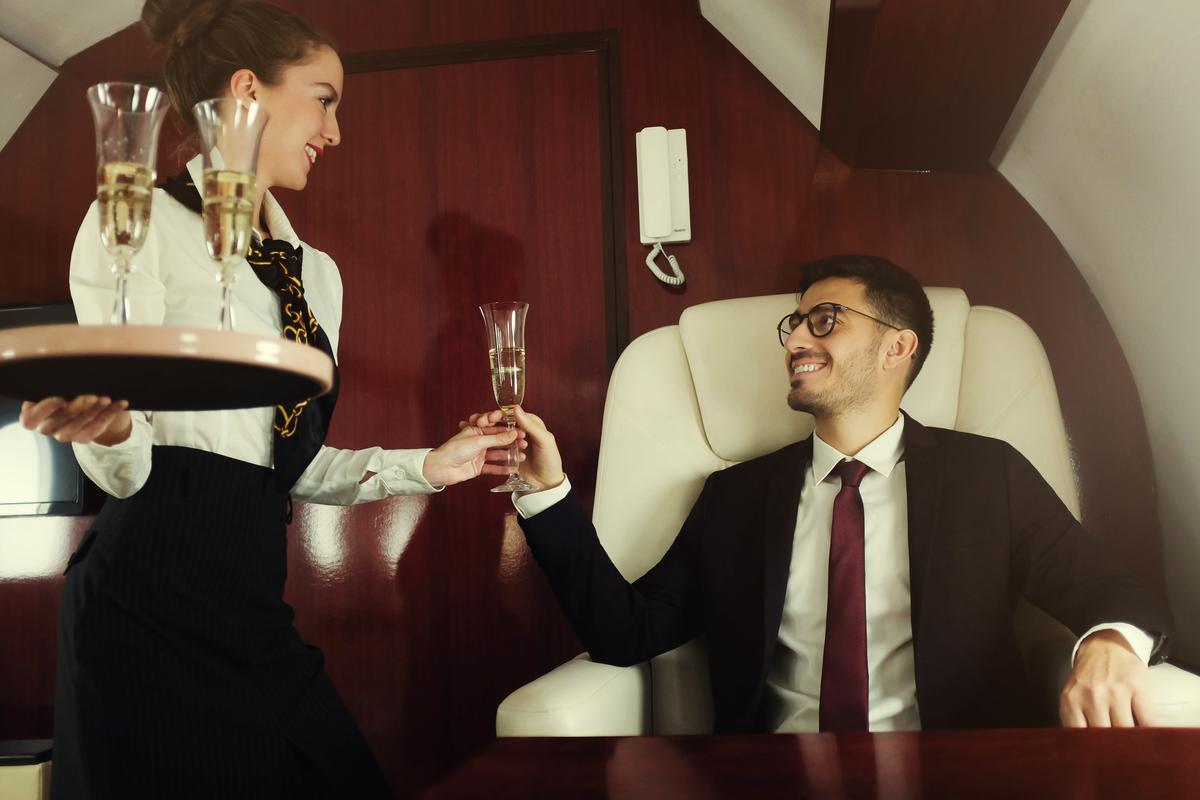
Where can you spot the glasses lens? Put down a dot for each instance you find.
(822, 318)
(786, 326)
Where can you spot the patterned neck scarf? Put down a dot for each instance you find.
(300, 428)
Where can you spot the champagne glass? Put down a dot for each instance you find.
(505, 324)
(230, 131)
(128, 117)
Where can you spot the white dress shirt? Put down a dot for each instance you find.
(794, 676)
(174, 284)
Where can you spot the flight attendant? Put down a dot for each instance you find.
(180, 673)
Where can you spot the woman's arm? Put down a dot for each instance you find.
(348, 477)
(118, 458)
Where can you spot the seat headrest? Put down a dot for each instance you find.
(741, 380)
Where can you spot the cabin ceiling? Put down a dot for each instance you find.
(38, 36)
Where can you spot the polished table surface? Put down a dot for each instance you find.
(1043, 763)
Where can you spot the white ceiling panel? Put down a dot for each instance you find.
(55, 30)
(785, 39)
(24, 81)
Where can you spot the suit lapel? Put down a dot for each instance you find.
(782, 502)
(924, 475)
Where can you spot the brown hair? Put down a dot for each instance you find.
(209, 40)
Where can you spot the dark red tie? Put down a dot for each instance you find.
(844, 669)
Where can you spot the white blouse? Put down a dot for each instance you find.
(174, 283)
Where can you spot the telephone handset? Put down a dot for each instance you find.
(664, 210)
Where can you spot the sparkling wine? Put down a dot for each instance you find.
(228, 207)
(124, 192)
(508, 376)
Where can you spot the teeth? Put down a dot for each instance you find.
(806, 368)
(312, 153)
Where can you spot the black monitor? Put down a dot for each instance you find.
(37, 474)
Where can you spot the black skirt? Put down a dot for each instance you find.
(180, 673)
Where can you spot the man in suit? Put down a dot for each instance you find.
(863, 578)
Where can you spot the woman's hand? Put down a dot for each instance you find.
(541, 463)
(474, 450)
(87, 418)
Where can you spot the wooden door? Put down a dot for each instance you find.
(457, 184)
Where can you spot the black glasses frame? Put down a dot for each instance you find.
(827, 324)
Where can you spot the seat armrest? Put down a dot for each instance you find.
(580, 698)
(1174, 694)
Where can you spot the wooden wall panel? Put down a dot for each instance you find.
(428, 608)
(928, 84)
(488, 187)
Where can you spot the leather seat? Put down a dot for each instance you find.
(696, 397)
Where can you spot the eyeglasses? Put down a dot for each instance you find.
(821, 319)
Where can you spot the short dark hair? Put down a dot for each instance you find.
(894, 294)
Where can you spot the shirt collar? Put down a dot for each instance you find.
(881, 455)
(277, 221)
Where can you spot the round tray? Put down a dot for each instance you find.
(160, 369)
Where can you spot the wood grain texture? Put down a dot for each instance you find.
(928, 84)
(462, 183)
(1048, 764)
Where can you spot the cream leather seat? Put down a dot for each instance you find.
(25, 769)
(686, 400)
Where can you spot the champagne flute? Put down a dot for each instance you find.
(128, 117)
(230, 131)
(505, 325)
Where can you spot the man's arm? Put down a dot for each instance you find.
(618, 622)
(1064, 571)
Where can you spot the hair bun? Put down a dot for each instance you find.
(178, 23)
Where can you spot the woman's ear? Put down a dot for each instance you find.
(243, 85)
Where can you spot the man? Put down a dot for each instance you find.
(863, 578)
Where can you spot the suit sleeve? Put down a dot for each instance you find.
(1065, 571)
(619, 623)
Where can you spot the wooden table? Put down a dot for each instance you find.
(1044, 763)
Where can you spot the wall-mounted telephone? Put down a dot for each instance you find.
(664, 209)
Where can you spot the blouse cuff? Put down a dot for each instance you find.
(120, 469)
(401, 471)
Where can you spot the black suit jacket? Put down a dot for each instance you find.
(984, 528)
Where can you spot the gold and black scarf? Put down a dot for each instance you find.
(300, 428)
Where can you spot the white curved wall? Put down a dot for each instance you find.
(785, 39)
(1105, 144)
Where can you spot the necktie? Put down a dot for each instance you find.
(844, 668)
(299, 428)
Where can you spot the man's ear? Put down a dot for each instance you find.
(901, 351)
(243, 85)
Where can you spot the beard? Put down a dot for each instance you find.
(853, 388)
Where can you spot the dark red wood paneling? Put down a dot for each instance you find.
(487, 187)
(928, 84)
(1050, 764)
(428, 608)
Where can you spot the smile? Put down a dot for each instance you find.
(313, 154)
(804, 368)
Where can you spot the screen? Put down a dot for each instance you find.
(37, 474)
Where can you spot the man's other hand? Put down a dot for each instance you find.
(1105, 688)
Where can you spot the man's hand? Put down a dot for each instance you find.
(86, 418)
(470, 452)
(541, 463)
(1104, 689)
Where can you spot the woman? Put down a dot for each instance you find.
(180, 673)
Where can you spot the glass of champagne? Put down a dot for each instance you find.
(128, 117)
(505, 324)
(230, 133)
